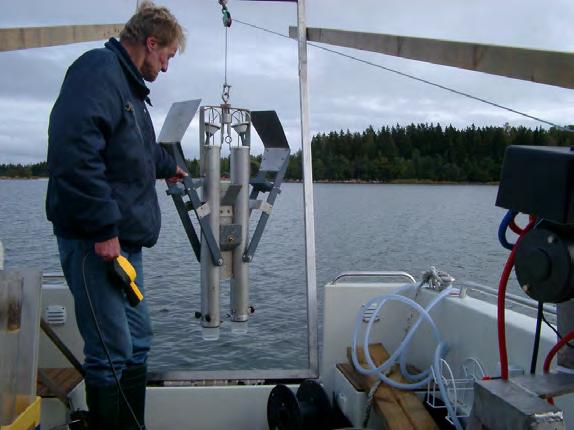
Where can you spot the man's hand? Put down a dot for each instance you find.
(108, 249)
(178, 177)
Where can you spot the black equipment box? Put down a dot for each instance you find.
(538, 180)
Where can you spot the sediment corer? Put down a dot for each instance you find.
(223, 202)
(123, 274)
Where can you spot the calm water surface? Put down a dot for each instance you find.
(358, 227)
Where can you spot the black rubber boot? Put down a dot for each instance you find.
(134, 381)
(104, 407)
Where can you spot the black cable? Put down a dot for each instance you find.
(407, 75)
(555, 330)
(101, 336)
(537, 338)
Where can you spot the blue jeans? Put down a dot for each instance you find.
(126, 330)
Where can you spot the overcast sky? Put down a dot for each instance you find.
(263, 67)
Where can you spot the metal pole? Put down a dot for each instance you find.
(210, 317)
(565, 326)
(308, 192)
(203, 141)
(240, 279)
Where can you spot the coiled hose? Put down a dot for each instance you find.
(417, 381)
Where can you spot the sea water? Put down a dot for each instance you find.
(357, 226)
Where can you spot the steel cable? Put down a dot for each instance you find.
(416, 78)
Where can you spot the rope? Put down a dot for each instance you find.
(416, 78)
(369, 406)
(412, 314)
(437, 279)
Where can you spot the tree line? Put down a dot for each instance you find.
(38, 170)
(422, 152)
(425, 152)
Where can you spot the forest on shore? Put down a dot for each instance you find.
(422, 152)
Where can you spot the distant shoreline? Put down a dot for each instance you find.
(21, 178)
(350, 181)
(395, 182)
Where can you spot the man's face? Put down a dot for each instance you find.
(156, 58)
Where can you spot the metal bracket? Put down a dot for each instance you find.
(182, 210)
(261, 206)
(229, 236)
(271, 172)
(203, 210)
(230, 195)
(200, 209)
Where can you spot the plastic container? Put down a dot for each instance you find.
(28, 415)
(19, 332)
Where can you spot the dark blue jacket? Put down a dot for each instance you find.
(102, 154)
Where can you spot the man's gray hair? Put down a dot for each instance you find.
(156, 21)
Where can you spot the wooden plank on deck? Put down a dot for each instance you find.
(401, 410)
(66, 379)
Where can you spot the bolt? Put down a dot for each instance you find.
(551, 239)
(525, 288)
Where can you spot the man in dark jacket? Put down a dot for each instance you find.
(104, 161)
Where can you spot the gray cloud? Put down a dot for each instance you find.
(262, 68)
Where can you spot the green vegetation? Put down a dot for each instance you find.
(24, 171)
(423, 152)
